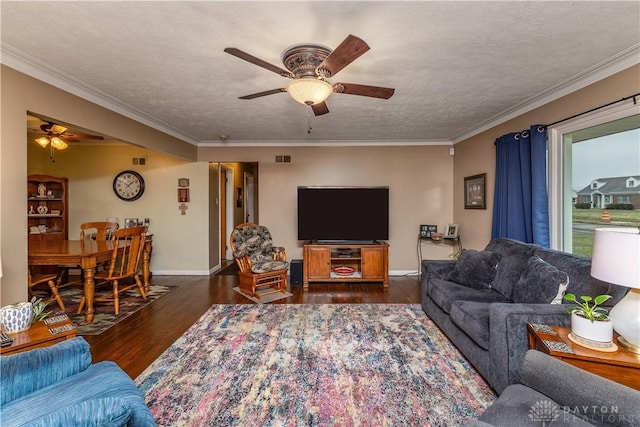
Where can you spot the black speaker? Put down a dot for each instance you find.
(295, 270)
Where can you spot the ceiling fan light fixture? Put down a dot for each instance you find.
(43, 141)
(309, 90)
(58, 143)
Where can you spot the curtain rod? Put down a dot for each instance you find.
(597, 108)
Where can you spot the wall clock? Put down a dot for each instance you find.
(128, 185)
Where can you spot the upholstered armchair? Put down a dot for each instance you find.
(263, 266)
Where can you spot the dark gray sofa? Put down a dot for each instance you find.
(554, 393)
(484, 300)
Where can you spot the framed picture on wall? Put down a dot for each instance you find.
(474, 192)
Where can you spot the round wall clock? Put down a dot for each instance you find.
(128, 185)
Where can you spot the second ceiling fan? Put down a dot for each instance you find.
(310, 67)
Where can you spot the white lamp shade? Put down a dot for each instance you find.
(309, 90)
(616, 259)
(616, 256)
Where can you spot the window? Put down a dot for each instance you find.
(600, 151)
(624, 199)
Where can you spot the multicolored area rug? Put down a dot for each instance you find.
(103, 319)
(313, 365)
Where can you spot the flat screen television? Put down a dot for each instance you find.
(343, 214)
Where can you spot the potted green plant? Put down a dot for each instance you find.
(589, 320)
(37, 309)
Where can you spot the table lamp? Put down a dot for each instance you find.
(616, 259)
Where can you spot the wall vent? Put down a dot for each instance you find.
(139, 161)
(283, 159)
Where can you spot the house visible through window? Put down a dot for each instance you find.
(594, 166)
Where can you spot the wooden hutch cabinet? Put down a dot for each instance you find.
(47, 207)
(368, 262)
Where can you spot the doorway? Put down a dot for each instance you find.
(226, 211)
(249, 195)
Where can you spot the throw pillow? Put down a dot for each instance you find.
(475, 269)
(540, 283)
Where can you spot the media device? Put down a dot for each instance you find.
(343, 214)
(296, 270)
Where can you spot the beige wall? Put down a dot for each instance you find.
(477, 154)
(419, 178)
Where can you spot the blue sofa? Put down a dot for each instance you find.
(484, 300)
(59, 386)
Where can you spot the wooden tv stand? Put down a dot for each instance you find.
(370, 262)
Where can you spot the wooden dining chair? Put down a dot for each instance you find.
(97, 230)
(94, 230)
(124, 264)
(51, 280)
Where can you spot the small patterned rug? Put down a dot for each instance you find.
(103, 318)
(313, 365)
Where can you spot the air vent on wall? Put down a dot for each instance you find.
(283, 159)
(139, 161)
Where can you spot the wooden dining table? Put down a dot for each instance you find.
(85, 253)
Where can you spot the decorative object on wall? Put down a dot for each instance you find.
(183, 195)
(616, 259)
(475, 191)
(311, 66)
(128, 185)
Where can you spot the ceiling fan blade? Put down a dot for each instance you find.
(320, 109)
(348, 51)
(364, 90)
(257, 61)
(265, 93)
(80, 136)
(57, 129)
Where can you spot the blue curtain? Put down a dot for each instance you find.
(521, 205)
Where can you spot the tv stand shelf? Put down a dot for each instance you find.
(370, 262)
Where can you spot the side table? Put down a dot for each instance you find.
(38, 335)
(620, 366)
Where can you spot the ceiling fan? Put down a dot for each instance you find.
(58, 137)
(310, 66)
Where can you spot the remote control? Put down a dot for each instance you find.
(56, 319)
(63, 328)
(5, 339)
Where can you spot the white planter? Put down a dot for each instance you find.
(16, 317)
(600, 331)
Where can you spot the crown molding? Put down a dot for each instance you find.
(322, 143)
(611, 66)
(18, 60)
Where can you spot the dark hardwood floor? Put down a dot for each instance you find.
(138, 340)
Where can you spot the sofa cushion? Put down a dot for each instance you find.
(475, 269)
(473, 319)
(540, 283)
(22, 373)
(110, 411)
(99, 381)
(443, 293)
(578, 268)
(513, 260)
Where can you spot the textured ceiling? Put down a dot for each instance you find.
(456, 66)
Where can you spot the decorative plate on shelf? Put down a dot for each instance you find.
(343, 270)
